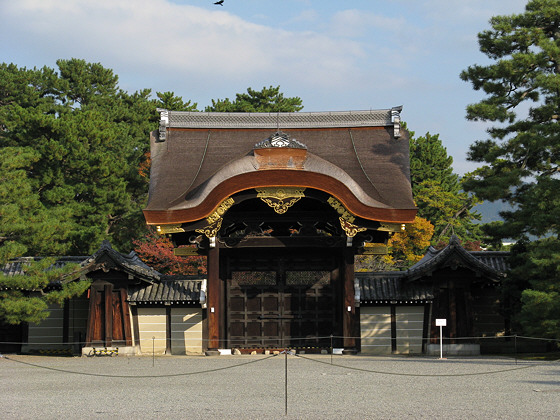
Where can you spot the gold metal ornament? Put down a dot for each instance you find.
(280, 199)
(375, 249)
(341, 210)
(220, 211)
(350, 229)
(212, 230)
(165, 229)
(216, 218)
(391, 227)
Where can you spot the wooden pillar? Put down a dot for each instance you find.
(393, 329)
(168, 329)
(95, 317)
(214, 303)
(126, 317)
(349, 308)
(452, 322)
(108, 315)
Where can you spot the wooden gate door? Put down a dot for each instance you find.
(281, 308)
(108, 320)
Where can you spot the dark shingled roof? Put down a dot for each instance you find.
(170, 290)
(206, 157)
(106, 258)
(491, 265)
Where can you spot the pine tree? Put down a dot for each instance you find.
(521, 157)
(437, 191)
(267, 100)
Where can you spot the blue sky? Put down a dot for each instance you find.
(335, 55)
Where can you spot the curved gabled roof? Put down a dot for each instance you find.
(203, 158)
(107, 258)
(409, 285)
(455, 255)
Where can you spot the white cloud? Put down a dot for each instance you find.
(199, 44)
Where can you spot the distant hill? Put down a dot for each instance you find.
(489, 210)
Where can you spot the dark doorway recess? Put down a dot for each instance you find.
(279, 299)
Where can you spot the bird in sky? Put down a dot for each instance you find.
(221, 2)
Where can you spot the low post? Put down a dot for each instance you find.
(153, 351)
(286, 382)
(515, 347)
(332, 349)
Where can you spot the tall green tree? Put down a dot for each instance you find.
(88, 138)
(172, 102)
(70, 145)
(437, 191)
(266, 100)
(521, 157)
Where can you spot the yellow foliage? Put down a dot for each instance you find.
(411, 244)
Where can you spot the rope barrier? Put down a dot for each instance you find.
(424, 374)
(138, 376)
(314, 338)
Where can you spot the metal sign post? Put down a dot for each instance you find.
(441, 322)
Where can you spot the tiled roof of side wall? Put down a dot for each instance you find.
(15, 267)
(283, 120)
(168, 291)
(391, 286)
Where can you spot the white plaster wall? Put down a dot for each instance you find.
(186, 330)
(410, 325)
(375, 327)
(152, 322)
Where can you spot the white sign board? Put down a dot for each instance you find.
(441, 322)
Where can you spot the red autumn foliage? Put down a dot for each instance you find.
(157, 251)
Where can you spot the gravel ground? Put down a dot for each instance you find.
(253, 387)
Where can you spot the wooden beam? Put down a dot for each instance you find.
(186, 251)
(214, 299)
(349, 309)
(290, 242)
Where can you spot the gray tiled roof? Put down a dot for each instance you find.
(105, 258)
(498, 260)
(170, 290)
(389, 286)
(15, 267)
